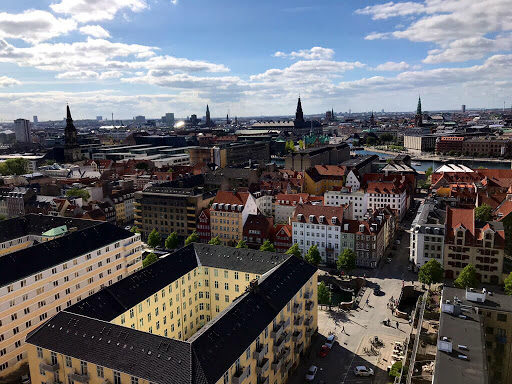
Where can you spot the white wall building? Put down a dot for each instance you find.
(382, 194)
(358, 200)
(353, 181)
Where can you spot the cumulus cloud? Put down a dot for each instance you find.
(8, 82)
(95, 31)
(33, 26)
(315, 53)
(85, 11)
(392, 66)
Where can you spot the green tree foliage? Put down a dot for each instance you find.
(428, 172)
(77, 192)
(14, 167)
(267, 246)
(172, 241)
(431, 273)
(215, 241)
(386, 137)
(294, 250)
(346, 260)
(395, 370)
(142, 166)
(154, 239)
(483, 212)
(193, 238)
(371, 140)
(302, 145)
(324, 295)
(508, 284)
(313, 255)
(150, 259)
(241, 244)
(289, 146)
(2, 217)
(135, 229)
(467, 277)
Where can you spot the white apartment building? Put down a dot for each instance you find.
(352, 181)
(358, 199)
(320, 226)
(285, 206)
(265, 203)
(386, 193)
(427, 235)
(72, 259)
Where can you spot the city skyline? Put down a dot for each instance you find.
(131, 57)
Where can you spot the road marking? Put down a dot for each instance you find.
(351, 361)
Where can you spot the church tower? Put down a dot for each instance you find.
(372, 120)
(71, 148)
(299, 115)
(418, 119)
(208, 119)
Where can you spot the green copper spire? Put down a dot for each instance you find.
(418, 110)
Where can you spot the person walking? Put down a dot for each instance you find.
(397, 325)
(343, 329)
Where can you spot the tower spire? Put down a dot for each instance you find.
(299, 115)
(418, 109)
(68, 113)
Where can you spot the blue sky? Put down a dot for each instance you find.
(149, 57)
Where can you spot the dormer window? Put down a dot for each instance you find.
(333, 220)
(311, 218)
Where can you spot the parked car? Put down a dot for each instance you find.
(361, 370)
(25, 379)
(324, 350)
(310, 375)
(330, 341)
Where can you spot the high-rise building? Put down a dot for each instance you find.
(463, 108)
(71, 149)
(168, 119)
(35, 119)
(140, 119)
(99, 118)
(22, 131)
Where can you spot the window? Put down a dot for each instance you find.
(246, 277)
(236, 275)
(501, 317)
(237, 288)
(134, 380)
(83, 367)
(99, 371)
(226, 286)
(39, 352)
(117, 378)
(226, 298)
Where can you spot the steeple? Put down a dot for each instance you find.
(299, 115)
(68, 114)
(71, 148)
(372, 120)
(418, 119)
(208, 120)
(418, 109)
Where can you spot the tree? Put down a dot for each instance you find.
(370, 140)
(301, 144)
(483, 212)
(508, 284)
(267, 246)
(215, 241)
(17, 166)
(193, 238)
(294, 250)
(135, 229)
(289, 146)
(467, 277)
(172, 241)
(386, 137)
(2, 217)
(428, 172)
(313, 255)
(431, 273)
(241, 244)
(346, 260)
(396, 369)
(154, 239)
(142, 166)
(77, 192)
(324, 295)
(150, 259)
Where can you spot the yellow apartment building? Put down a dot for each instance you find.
(53, 263)
(204, 314)
(321, 178)
(228, 214)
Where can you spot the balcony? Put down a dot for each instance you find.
(298, 320)
(241, 374)
(262, 366)
(286, 353)
(297, 308)
(310, 332)
(286, 323)
(81, 378)
(276, 365)
(277, 332)
(287, 337)
(297, 335)
(262, 380)
(501, 339)
(299, 348)
(309, 306)
(260, 352)
(308, 294)
(49, 367)
(308, 321)
(278, 345)
(288, 365)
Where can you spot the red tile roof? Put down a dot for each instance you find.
(307, 210)
(227, 197)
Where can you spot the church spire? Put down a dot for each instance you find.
(68, 114)
(418, 109)
(208, 119)
(299, 115)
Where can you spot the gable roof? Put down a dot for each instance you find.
(306, 210)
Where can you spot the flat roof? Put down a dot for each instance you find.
(494, 301)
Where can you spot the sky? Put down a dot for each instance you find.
(251, 58)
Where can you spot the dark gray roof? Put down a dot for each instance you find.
(116, 299)
(37, 224)
(493, 301)
(145, 355)
(205, 356)
(26, 262)
(451, 369)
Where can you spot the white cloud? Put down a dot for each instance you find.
(315, 53)
(8, 82)
(85, 11)
(33, 26)
(95, 31)
(392, 66)
(78, 75)
(378, 36)
(387, 10)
